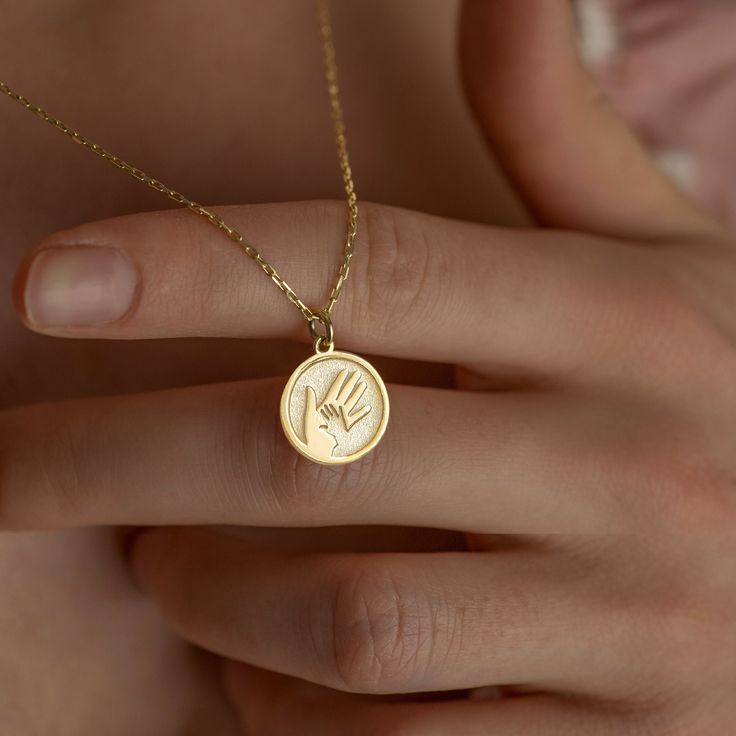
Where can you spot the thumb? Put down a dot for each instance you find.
(570, 155)
(311, 409)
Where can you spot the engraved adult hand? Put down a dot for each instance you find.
(343, 397)
(588, 450)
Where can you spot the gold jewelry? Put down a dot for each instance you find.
(334, 408)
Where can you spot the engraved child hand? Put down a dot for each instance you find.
(343, 397)
(317, 439)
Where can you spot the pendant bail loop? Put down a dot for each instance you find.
(324, 342)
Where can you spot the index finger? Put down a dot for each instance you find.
(420, 286)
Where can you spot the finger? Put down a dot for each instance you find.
(216, 454)
(311, 401)
(333, 394)
(390, 623)
(355, 396)
(573, 158)
(348, 388)
(557, 305)
(269, 704)
(355, 415)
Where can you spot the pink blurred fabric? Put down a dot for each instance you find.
(672, 73)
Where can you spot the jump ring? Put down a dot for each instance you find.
(323, 341)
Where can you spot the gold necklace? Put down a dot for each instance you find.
(334, 407)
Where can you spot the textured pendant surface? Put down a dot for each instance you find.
(334, 408)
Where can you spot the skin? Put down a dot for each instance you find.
(65, 54)
(585, 450)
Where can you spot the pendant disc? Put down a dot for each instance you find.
(334, 408)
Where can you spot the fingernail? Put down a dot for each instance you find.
(79, 286)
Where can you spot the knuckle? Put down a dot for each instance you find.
(322, 492)
(680, 484)
(686, 466)
(259, 472)
(692, 499)
(662, 310)
(684, 335)
(691, 636)
(379, 631)
(397, 266)
(264, 474)
(239, 467)
(300, 486)
(681, 625)
(695, 506)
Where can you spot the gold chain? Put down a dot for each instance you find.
(312, 316)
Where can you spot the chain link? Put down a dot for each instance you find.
(330, 65)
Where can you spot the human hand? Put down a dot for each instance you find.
(70, 610)
(340, 403)
(342, 398)
(608, 458)
(319, 441)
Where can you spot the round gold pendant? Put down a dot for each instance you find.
(334, 408)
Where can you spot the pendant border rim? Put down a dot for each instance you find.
(296, 441)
